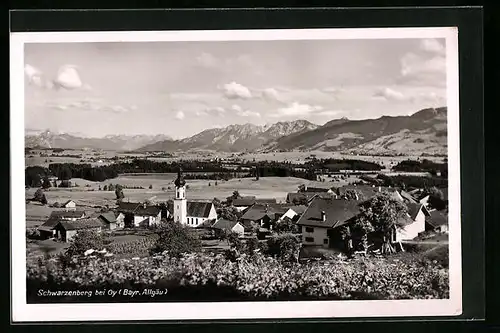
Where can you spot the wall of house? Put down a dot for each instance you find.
(180, 211)
(120, 221)
(412, 230)
(289, 213)
(70, 234)
(70, 205)
(238, 228)
(194, 221)
(318, 234)
(213, 213)
(241, 208)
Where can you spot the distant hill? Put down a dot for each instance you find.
(234, 138)
(48, 139)
(424, 130)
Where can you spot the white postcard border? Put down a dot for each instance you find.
(23, 312)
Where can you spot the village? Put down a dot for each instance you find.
(318, 216)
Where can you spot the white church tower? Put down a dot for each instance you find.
(180, 201)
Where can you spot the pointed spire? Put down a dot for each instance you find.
(180, 179)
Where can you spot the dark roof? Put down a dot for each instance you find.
(299, 209)
(67, 214)
(81, 224)
(224, 224)
(198, 208)
(437, 218)
(258, 211)
(50, 223)
(244, 201)
(307, 195)
(408, 196)
(264, 201)
(414, 208)
(445, 193)
(337, 212)
(139, 209)
(316, 189)
(67, 202)
(109, 217)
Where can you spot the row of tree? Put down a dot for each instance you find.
(422, 166)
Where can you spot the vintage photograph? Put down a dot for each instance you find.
(240, 169)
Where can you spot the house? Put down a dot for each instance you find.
(315, 189)
(266, 201)
(299, 198)
(243, 203)
(322, 216)
(47, 229)
(293, 212)
(413, 226)
(110, 221)
(139, 214)
(199, 212)
(366, 192)
(223, 225)
(437, 221)
(67, 230)
(262, 215)
(70, 204)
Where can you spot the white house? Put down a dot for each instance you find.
(322, 216)
(192, 213)
(140, 214)
(437, 221)
(293, 212)
(226, 225)
(417, 214)
(70, 205)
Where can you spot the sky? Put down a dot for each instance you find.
(181, 88)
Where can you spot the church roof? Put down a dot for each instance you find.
(199, 208)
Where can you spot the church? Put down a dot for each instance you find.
(191, 213)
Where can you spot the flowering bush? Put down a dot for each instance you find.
(255, 277)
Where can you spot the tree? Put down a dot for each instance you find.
(227, 213)
(351, 194)
(286, 225)
(252, 245)
(65, 172)
(285, 247)
(119, 192)
(236, 195)
(87, 240)
(217, 203)
(46, 183)
(302, 188)
(176, 239)
(111, 187)
(150, 187)
(99, 189)
(384, 214)
(39, 195)
(105, 187)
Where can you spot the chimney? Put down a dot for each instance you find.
(323, 216)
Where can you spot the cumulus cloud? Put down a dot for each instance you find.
(433, 46)
(207, 60)
(67, 78)
(239, 111)
(296, 109)
(179, 115)
(271, 94)
(389, 94)
(423, 70)
(235, 90)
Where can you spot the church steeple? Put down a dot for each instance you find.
(180, 182)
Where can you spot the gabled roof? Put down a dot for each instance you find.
(337, 212)
(108, 217)
(243, 201)
(81, 224)
(299, 209)
(307, 195)
(264, 201)
(67, 214)
(67, 202)
(414, 208)
(224, 224)
(139, 209)
(199, 208)
(258, 211)
(437, 218)
(407, 196)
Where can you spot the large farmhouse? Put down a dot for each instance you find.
(67, 230)
(139, 214)
(47, 229)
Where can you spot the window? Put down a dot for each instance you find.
(177, 206)
(309, 239)
(196, 221)
(309, 229)
(325, 241)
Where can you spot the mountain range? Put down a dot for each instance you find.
(49, 139)
(423, 131)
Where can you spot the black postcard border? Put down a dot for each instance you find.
(469, 23)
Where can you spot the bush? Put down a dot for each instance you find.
(176, 239)
(86, 240)
(257, 277)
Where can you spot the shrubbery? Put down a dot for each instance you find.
(255, 277)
